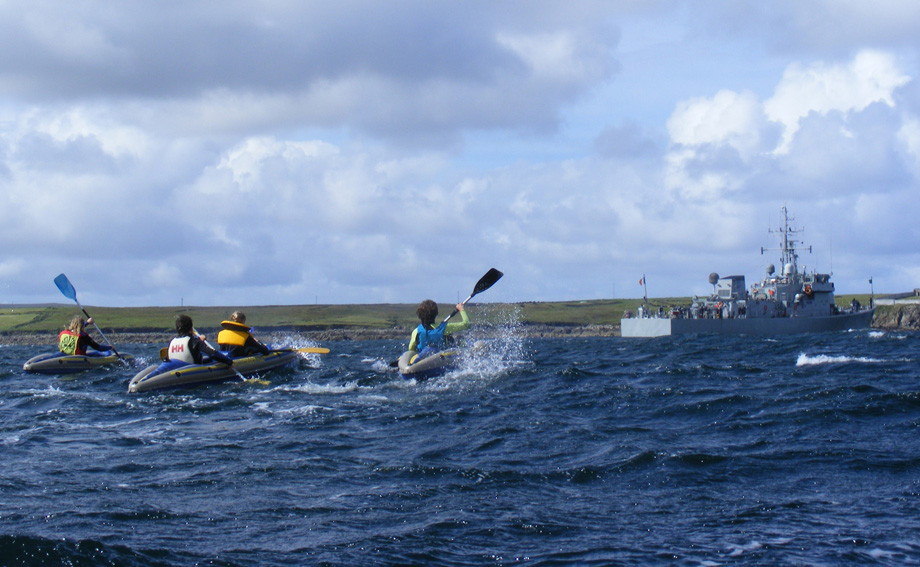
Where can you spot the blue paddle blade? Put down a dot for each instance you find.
(65, 286)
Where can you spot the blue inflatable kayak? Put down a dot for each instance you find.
(174, 374)
(60, 363)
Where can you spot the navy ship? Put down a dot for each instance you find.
(781, 303)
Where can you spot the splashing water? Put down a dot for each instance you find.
(497, 342)
(807, 360)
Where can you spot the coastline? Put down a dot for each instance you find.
(904, 317)
(270, 335)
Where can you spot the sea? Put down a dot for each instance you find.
(694, 450)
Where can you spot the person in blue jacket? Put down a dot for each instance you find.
(426, 338)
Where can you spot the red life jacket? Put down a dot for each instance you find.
(70, 343)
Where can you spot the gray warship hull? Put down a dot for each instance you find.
(662, 326)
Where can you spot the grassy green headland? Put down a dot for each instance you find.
(52, 318)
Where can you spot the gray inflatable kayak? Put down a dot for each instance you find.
(60, 363)
(174, 374)
(411, 368)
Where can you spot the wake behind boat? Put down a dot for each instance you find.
(61, 363)
(790, 302)
(173, 374)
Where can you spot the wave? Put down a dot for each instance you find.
(808, 360)
(27, 550)
(885, 334)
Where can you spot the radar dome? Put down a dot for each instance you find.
(713, 278)
(770, 269)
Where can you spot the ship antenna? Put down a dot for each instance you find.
(788, 254)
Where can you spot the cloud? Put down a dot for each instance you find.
(729, 118)
(871, 77)
(353, 152)
(814, 30)
(413, 71)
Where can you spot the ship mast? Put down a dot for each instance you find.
(789, 256)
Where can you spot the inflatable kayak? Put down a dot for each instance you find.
(60, 363)
(175, 373)
(413, 368)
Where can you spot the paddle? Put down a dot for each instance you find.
(69, 292)
(309, 350)
(484, 283)
(230, 366)
(313, 350)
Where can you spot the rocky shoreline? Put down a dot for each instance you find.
(903, 317)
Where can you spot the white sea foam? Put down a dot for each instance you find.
(808, 360)
(881, 554)
(288, 412)
(740, 549)
(49, 391)
(10, 439)
(288, 341)
(143, 361)
(316, 389)
(378, 365)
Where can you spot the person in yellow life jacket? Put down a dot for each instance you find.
(189, 347)
(426, 338)
(236, 337)
(74, 340)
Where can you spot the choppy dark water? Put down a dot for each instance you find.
(692, 451)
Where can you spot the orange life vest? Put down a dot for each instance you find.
(233, 334)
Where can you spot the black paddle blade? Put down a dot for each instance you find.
(487, 281)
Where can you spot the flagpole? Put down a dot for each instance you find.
(645, 291)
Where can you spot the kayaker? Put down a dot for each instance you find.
(74, 340)
(426, 338)
(236, 338)
(189, 347)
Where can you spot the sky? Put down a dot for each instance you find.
(287, 152)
